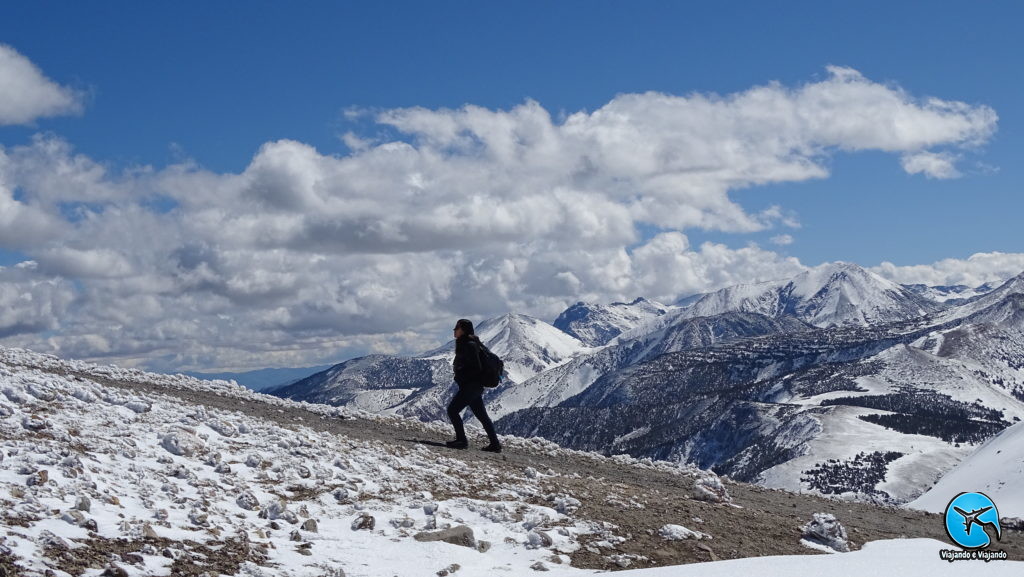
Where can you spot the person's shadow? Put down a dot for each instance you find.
(426, 442)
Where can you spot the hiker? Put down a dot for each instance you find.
(468, 369)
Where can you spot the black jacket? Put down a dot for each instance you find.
(467, 364)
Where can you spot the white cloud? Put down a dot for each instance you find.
(976, 270)
(782, 240)
(941, 165)
(25, 94)
(304, 257)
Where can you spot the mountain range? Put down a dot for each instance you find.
(835, 381)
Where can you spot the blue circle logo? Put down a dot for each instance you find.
(967, 517)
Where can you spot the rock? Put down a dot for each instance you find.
(90, 525)
(341, 495)
(198, 517)
(181, 443)
(295, 535)
(35, 423)
(49, 540)
(709, 551)
(304, 472)
(222, 468)
(305, 552)
(539, 566)
(139, 407)
(133, 558)
(254, 462)
(74, 517)
(538, 539)
(403, 522)
(825, 529)
(309, 525)
(248, 501)
(113, 570)
(364, 522)
(40, 477)
(223, 428)
(679, 533)
(710, 488)
(430, 509)
(459, 535)
(449, 570)
(483, 546)
(83, 504)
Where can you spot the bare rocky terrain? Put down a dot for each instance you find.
(633, 502)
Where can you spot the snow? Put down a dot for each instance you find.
(996, 468)
(189, 472)
(903, 557)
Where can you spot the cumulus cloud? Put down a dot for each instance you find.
(782, 240)
(26, 94)
(305, 257)
(941, 165)
(976, 270)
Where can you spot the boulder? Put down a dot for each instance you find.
(459, 535)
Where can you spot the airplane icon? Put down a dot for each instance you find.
(972, 519)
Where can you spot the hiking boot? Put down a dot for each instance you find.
(457, 444)
(492, 448)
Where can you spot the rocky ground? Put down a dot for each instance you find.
(109, 471)
(631, 503)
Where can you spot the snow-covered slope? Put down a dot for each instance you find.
(101, 477)
(527, 345)
(955, 294)
(596, 325)
(833, 294)
(996, 468)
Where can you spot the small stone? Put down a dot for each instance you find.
(275, 525)
(248, 501)
(309, 525)
(133, 558)
(40, 477)
(222, 468)
(305, 552)
(449, 570)
(148, 532)
(74, 517)
(83, 504)
(295, 535)
(90, 525)
(483, 546)
(113, 570)
(364, 522)
(539, 566)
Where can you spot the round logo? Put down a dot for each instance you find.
(967, 517)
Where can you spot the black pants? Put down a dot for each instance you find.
(474, 399)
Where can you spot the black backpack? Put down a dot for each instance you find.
(491, 367)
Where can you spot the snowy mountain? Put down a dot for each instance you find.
(954, 294)
(596, 325)
(422, 386)
(996, 468)
(766, 382)
(833, 294)
(528, 346)
(780, 407)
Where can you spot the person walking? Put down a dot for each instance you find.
(468, 368)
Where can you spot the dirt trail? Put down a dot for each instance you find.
(638, 502)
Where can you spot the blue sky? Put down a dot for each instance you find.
(208, 85)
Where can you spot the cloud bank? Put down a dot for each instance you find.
(305, 257)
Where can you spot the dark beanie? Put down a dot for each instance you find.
(466, 325)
